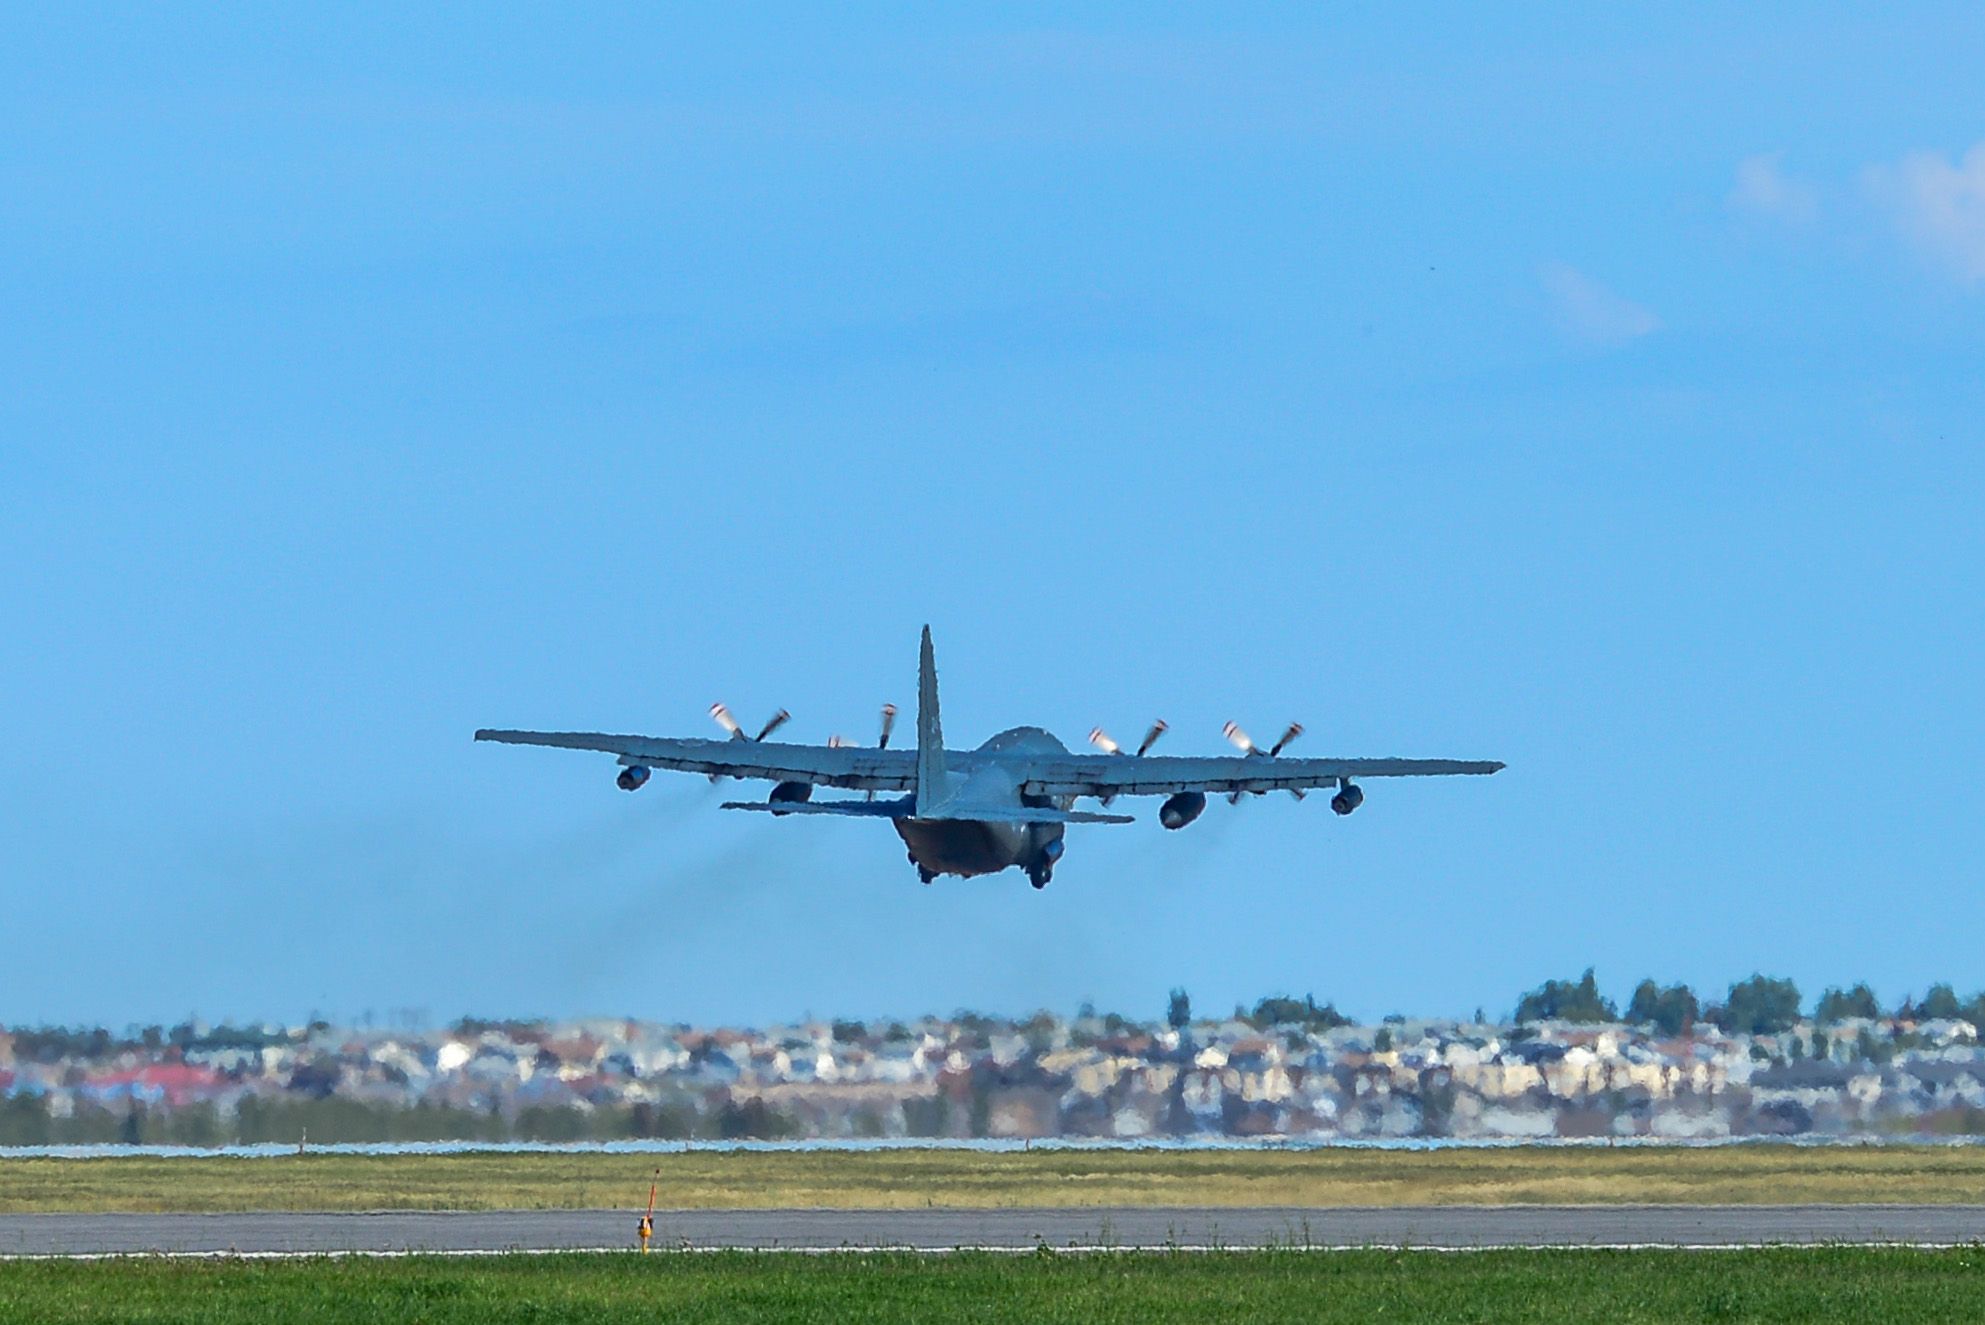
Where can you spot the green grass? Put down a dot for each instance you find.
(1752, 1174)
(1806, 1284)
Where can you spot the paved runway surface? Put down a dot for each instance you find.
(1438, 1226)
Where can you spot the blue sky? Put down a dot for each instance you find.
(1596, 393)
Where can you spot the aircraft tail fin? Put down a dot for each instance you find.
(932, 787)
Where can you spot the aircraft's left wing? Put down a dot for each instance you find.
(1159, 775)
(858, 768)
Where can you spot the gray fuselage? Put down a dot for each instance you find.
(960, 844)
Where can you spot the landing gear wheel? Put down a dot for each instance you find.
(1039, 875)
(924, 876)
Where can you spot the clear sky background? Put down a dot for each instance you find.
(1598, 394)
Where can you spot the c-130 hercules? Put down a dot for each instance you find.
(1007, 803)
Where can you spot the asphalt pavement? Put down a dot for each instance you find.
(943, 1230)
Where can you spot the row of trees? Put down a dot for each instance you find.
(1760, 1005)
(49, 1044)
(25, 1120)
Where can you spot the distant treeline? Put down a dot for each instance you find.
(1758, 1005)
(51, 1044)
(25, 1120)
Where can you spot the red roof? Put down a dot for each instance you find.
(178, 1082)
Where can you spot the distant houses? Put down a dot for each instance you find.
(1313, 1079)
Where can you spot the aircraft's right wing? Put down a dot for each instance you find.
(859, 768)
(1162, 775)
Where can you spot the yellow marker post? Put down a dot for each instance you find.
(646, 1228)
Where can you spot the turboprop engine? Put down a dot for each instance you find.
(791, 793)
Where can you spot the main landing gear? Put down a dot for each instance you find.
(1043, 866)
(924, 876)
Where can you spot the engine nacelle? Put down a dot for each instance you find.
(1349, 798)
(1182, 809)
(791, 793)
(632, 778)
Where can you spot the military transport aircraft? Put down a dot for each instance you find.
(1006, 803)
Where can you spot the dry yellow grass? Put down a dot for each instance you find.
(1749, 1174)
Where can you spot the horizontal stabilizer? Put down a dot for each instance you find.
(900, 809)
(1027, 814)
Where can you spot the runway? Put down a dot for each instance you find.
(1448, 1227)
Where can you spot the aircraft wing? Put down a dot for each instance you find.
(858, 768)
(1157, 775)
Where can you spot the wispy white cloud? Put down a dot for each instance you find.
(1589, 311)
(1765, 191)
(1939, 206)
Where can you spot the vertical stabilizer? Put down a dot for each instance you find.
(932, 788)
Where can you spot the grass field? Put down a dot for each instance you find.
(1535, 1286)
(1751, 1174)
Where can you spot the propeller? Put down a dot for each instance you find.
(888, 725)
(722, 714)
(1103, 741)
(1245, 744)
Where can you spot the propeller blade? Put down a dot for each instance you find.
(888, 725)
(1242, 741)
(772, 724)
(837, 742)
(1103, 741)
(724, 719)
(1295, 730)
(1158, 728)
